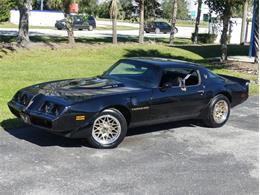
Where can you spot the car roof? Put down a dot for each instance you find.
(163, 62)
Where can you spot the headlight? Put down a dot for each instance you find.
(51, 108)
(22, 98)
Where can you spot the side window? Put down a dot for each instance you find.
(193, 79)
(176, 75)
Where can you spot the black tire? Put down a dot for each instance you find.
(209, 119)
(123, 124)
(157, 31)
(90, 28)
(176, 30)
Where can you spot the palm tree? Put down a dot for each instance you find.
(141, 21)
(196, 32)
(113, 16)
(174, 14)
(23, 33)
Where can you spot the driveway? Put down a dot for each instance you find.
(175, 158)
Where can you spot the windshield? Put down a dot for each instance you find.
(143, 75)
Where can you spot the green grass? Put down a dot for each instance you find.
(189, 23)
(11, 25)
(25, 67)
(92, 40)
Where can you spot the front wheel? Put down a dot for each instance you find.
(108, 130)
(218, 111)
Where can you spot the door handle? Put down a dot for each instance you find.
(201, 91)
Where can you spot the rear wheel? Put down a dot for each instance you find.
(157, 31)
(218, 111)
(175, 30)
(90, 28)
(108, 130)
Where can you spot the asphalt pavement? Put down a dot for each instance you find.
(184, 32)
(175, 158)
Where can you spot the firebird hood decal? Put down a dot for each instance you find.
(80, 89)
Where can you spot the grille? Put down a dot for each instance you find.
(41, 122)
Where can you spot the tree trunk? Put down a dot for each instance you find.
(141, 21)
(23, 34)
(195, 40)
(113, 16)
(224, 38)
(243, 27)
(69, 28)
(114, 21)
(174, 14)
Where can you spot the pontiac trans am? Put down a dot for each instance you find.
(132, 92)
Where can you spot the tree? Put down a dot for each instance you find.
(89, 7)
(182, 12)
(64, 6)
(225, 9)
(196, 32)
(113, 16)
(104, 9)
(141, 21)
(24, 7)
(173, 21)
(127, 8)
(152, 9)
(243, 26)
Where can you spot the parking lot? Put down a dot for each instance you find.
(176, 158)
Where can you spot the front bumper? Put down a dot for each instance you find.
(64, 125)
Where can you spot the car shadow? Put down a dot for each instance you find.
(43, 138)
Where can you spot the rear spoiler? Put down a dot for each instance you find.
(243, 82)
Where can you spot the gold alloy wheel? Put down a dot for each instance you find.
(106, 129)
(220, 111)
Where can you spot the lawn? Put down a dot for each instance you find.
(29, 66)
(11, 25)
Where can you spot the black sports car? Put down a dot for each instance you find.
(133, 92)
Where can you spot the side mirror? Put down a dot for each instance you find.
(166, 86)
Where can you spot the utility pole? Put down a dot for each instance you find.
(243, 26)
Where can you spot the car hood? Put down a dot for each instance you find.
(80, 89)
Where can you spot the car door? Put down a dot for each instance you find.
(77, 22)
(176, 101)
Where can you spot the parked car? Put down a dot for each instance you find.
(133, 92)
(78, 23)
(159, 27)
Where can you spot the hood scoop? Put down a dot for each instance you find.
(93, 84)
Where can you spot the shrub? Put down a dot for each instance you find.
(205, 38)
(5, 7)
